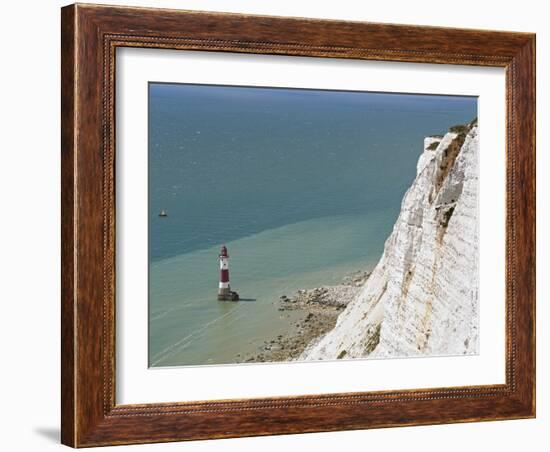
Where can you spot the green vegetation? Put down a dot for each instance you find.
(447, 216)
(342, 354)
(433, 146)
(460, 128)
(373, 340)
(463, 129)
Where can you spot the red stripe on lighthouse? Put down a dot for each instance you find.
(224, 275)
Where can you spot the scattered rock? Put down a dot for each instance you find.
(321, 307)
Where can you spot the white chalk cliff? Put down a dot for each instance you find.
(422, 297)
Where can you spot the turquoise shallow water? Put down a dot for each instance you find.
(190, 326)
(302, 186)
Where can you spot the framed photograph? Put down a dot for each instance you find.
(281, 225)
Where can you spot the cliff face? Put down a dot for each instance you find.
(422, 297)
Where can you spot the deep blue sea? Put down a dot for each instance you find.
(303, 186)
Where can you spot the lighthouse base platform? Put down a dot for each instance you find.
(228, 296)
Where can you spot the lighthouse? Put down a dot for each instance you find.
(224, 291)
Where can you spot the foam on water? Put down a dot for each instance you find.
(189, 326)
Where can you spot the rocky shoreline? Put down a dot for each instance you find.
(320, 308)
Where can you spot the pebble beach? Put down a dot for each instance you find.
(318, 311)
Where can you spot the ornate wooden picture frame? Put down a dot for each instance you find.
(90, 37)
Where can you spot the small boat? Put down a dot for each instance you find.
(163, 213)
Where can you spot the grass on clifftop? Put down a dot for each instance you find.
(463, 128)
(433, 146)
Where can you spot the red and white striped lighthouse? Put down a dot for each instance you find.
(224, 291)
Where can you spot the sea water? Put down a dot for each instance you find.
(302, 186)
